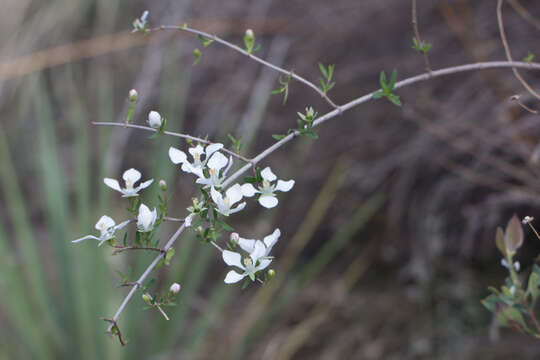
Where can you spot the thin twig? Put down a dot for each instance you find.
(417, 36)
(524, 13)
(120, 249)
(251, 56)
(317, 122)
(114, 326)
(508, 53)
(184, 136)
(516, 98)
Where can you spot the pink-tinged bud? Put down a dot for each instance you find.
(133, 95)
(154, 119)
(162, 185)
(175, 288)
(234, 237)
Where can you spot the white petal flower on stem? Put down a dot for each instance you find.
(215, 164)
(175, 288)
(267, 197)
(224, 204)
(131, 177)
(146, 219)
(107, 227)
(256, 261)
(154, 119)
(197, 152)
(268, 242)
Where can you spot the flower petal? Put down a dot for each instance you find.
(105, 222)
(258, 251)
(263, 264)
(131, 175)
(122, 225)
(248, 190)
(232, 258)
(284, 185)
(234, 194)
(233, 277)
(177, 156)
(112, 183)
(228, 166)
(267, 174)
(247, 245)
(217, 161)
(212, 148)
(188, 220)
(271, 240)
(145, 184)
(196, 150)
(85, 238)
(268, 201)
(216, 196)
(240, 207)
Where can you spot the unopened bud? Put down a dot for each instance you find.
(527, 219)
(271, 273)
(133, 95)
(249, 33)
(144, 16)
(162, 185)
(234, 238)
(154, 119)
(147, 299)
(175, 288)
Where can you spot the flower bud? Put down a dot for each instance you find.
(147, 299)
(133, 95)
(162, 185)
(234, 238)
(175, 288)
(249, 33)
(271, 273)
(154, 119)
(527, 219)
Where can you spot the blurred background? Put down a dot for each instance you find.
(387, 240)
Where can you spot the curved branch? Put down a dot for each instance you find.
(317, 122)
(251, 56)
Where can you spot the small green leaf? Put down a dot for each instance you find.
(278, 137)
(382, 82)
(532, 288)
(529, 58)
(169, 255)
(378, 94)
(393, 79)
(323, 70)
(490, 302)
(394, 99)
(205, 41)
(250, 179)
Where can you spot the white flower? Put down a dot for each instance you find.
(527, 219)
(268, 242)
(107, 227)
(154, 119)
(130, 177)
(256, 261)
(146, 219)
(225, 204)
(267, 198)
(217, 162)
(175, 288)
(516, 264)
(198, 164)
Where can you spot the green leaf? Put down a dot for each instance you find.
(393, 79)
(513, 314)
(205, 41)
(278, 137)
(169, 255)
(323, 70)
(529, 58)
(394, 99)
(532, 288)
(310, 134)
(225, 226)
(378, 94)
(382, 82)
(250, 179)
(490, 302)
